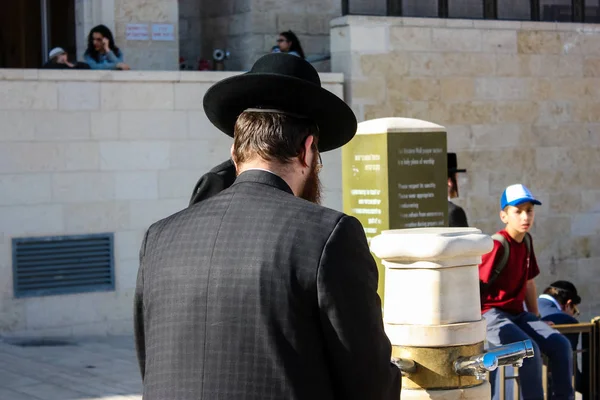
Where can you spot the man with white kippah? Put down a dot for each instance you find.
(59, 59)
(507, 281)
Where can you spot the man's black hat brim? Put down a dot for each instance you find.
(227, 99)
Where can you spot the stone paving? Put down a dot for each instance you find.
(88, 369)
(91, 368)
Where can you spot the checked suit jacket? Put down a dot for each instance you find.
(257, 294)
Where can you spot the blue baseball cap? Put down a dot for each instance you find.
(515, 195)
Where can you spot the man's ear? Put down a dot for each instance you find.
(231, 152)
(504, 216)
(308, 143)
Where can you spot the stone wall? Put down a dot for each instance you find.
(91, 151)
(521, 103)
(249, 28)
(116, 14)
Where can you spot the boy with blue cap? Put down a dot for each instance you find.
(507, 282)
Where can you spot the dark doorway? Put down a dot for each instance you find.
(21, 36)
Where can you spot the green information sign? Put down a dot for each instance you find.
(395, 177)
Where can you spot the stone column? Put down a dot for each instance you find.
(432, 308)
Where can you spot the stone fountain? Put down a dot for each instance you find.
(432, 314)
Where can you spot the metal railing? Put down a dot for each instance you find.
(590, 363)
(577, 11)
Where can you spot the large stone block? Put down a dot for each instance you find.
(457, 89)
(499, 41)
(369, 39)
(74, 96)
(28, 95)
(146, 212)
(137, 96)
(200, 127)
(105, 125)
(457, 40)
(419, 89)
(565, 203)
(367, 91)
(298, 23)
(501, 88)
(539, 42)
(524, 112)
(128, 244)
(80, 187)
(410, 38)
(426, 64)
(80, 156)
(145, 125)
(436, 291)
(496, 136)
(132, 155)
(136, 185)
(473, 112)
(106, 216)
(38, 219)
(196, 154)
(50, 126)
(146, 10)
(178, 184)
(394, 64)
(591, 201)
(514, 65)
(554, 112)
(25, 189)
(17, 126)
(466, 64)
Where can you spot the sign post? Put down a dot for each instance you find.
(394, 175)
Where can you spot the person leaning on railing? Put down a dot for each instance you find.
(558, 305)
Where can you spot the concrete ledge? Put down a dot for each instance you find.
(132, 76)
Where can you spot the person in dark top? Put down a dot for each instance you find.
(214, 181)
(59, 59)
(456, 215)
(558, 305)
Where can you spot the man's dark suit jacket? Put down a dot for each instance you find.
(456, 216)
(257, 294)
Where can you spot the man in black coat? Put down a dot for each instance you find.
(258, 292)
(456, 215)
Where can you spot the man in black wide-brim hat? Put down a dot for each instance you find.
(456, 215)
(257, 291)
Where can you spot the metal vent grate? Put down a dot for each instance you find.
(63, 264)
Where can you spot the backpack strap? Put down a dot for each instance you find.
(498, 265)
(527, 240)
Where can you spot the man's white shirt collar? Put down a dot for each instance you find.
(552, 299)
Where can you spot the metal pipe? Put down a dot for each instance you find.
(513, 353)
(45, 33)
(407, 367)
(480, 364)
(476, 366)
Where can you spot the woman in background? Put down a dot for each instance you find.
(102, 53)
(288, 43)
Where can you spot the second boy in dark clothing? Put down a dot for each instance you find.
(503, 297)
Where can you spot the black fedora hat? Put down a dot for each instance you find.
(287, 83)
(453, 164)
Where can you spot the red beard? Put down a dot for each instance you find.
(312, 187)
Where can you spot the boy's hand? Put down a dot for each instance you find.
(549, 323)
